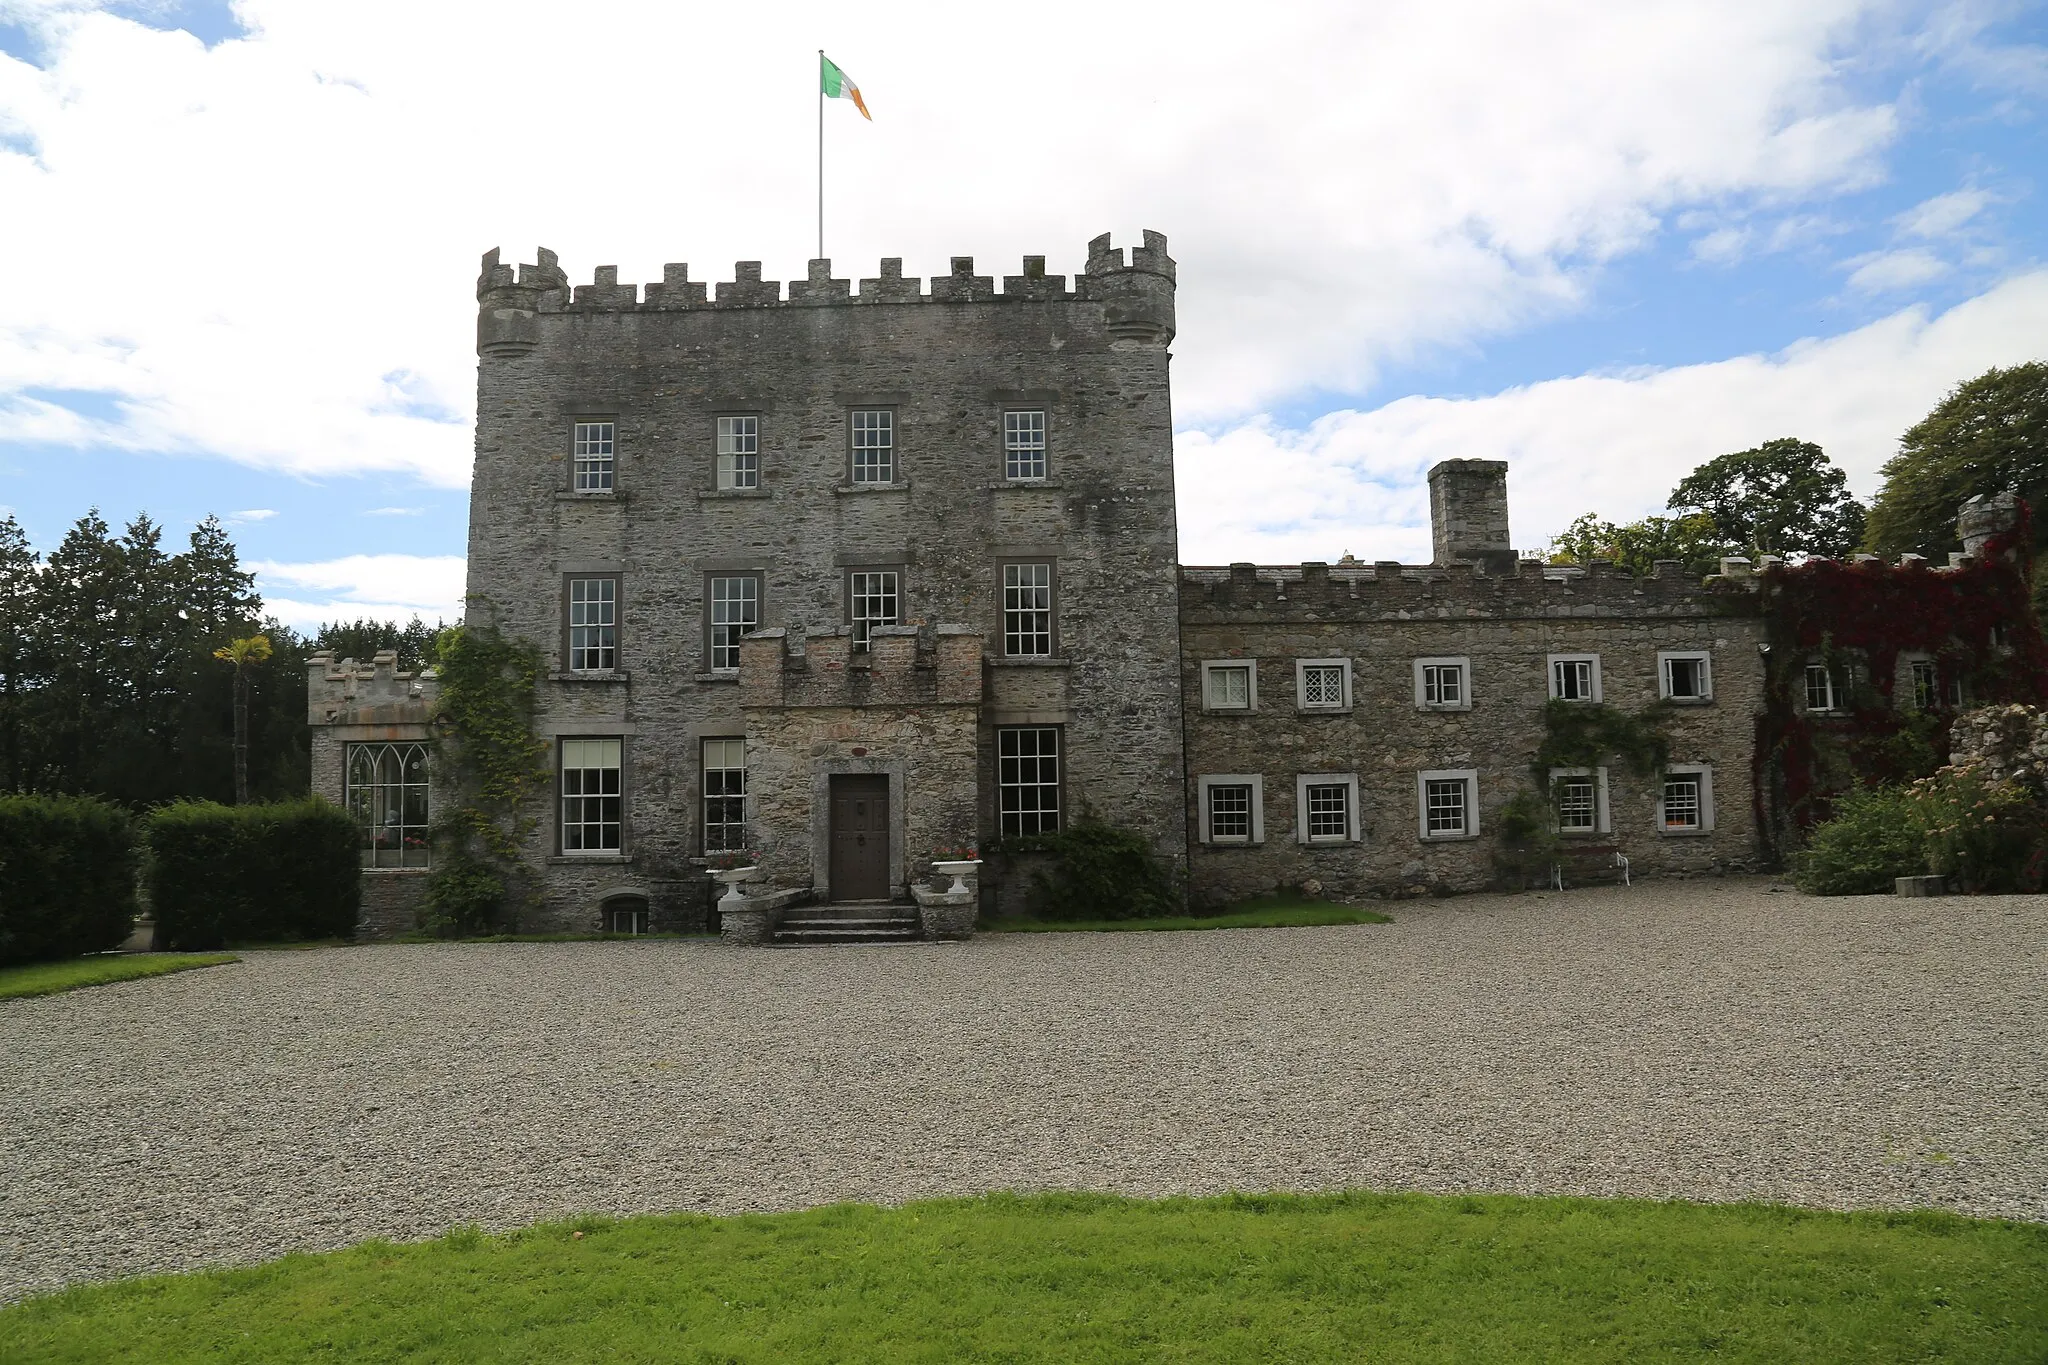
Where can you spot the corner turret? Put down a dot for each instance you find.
(507, 301)
(1137, 299)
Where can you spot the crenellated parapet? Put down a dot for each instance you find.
(903, 666)
(1137, 296)
(378, 693)
(1391, 591)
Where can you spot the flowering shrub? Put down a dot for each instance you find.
(962, 853)
(1986, 833)
(729, 859)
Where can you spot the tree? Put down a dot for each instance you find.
(1990, 435)
(1783, 497)
(1637, 546)
(18, 590)
(244, 654)
(363, 639)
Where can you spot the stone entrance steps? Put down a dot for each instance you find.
(875, 922)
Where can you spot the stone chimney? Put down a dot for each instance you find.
(1983, 517)
(1468, 514)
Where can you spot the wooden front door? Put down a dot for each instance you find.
(860, 837)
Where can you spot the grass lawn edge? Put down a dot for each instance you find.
(33, 979)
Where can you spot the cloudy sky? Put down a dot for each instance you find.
(1603, 241)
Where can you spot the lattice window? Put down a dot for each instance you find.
(1028, 779)
(1024, 445)
(1027, 610)
(739, 452)
(872, 599)
(593, 452)
(1230, 686)
(593, 625)
(725, 794)
(593, 809)
(1322, 686)
(1925, 682)
(735, 610)
(874, 446)
(387, 793)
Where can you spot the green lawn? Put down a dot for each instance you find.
(1281, 911)
(1386, 1278)
(48, 978)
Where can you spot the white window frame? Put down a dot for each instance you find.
(594, 455)
(1705, 658)
(1602, 822)
(1470, 777)
(379, 793)
(1013, 785)
(736, 441)
(1908, 666)
(874, 597)
(1348, 781)
(582, 747)
(871, 447)
(1550, 670)
(1250, 667)
(1301, 702)
(593, 623)
(1257, 784)
(1024, 445)
(1834, 690)
(1029, 608)
(1464, 666)
(723, 830)
(1705, 773)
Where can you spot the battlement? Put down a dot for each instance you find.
(349, 692)
(904, 666)
(1389, 590)
(543, 287)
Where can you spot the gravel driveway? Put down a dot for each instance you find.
(1709, 1040)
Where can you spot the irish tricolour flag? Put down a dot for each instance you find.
(839, 86)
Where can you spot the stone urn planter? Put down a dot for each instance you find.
(959, 870)
(735, 879)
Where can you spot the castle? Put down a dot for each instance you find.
(848, 578)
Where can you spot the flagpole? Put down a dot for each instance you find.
(821, 153)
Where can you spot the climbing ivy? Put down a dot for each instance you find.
(1579, 734)
(493, 766)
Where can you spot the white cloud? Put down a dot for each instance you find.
(1346, 185)
(1883, 271)
(389, 587)
(1941, 215)
(1355, 480)
(394, 511)
(251, 514)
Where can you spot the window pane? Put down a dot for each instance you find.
(1329, 810)
(725, 795)
(1682, 802)
(1027, 609)
(1577, 803)
(1230, 688)
(1445, 805)
(874, 447)
(592, 812)
(739, 452)
(1028, 780)
(1322, 685)
(387, 794)
(1820, 688)
(1024, 445)
(872, 600)
(1230, 812)
(593, 441)
(593, 625)
(1572, 679)
(735, 610)
(1443, 684)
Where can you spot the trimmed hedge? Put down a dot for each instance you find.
(67, 877)
(286, 870)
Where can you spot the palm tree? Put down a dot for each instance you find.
(244, 655)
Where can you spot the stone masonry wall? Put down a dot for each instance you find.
(949, 361)
(1382, 620)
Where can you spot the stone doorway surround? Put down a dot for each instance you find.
(823, 770)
